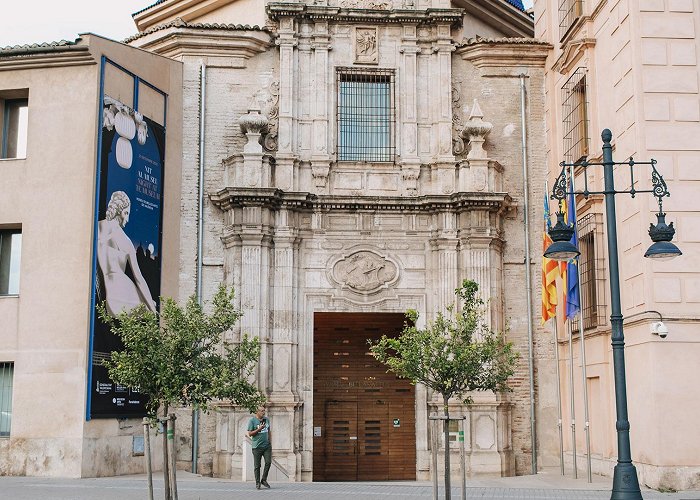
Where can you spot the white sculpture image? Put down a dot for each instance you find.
(114, 252)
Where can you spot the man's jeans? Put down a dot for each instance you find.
(258, 453)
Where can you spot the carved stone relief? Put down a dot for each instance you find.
(364, 272)
(268, 98)
(458, 146)
(365, 4)
(366, 50)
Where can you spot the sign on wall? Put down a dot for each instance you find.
(127, 243)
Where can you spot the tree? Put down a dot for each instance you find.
(453, 355)
(179, 356)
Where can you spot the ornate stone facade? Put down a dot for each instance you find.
(296, 230)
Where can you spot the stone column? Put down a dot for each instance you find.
(320, 159)
(408, 150)
(286, 152)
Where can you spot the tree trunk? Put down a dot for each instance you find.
(446, 427)
(166, 473)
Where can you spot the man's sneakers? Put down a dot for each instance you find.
(257, 486)
(265, 484)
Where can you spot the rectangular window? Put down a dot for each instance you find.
(10, 253)
(575, 116)
(591, 269)
(15, 119)
(365, 115)
(6, 374)
(569, 11)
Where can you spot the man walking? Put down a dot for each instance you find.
(259, 430)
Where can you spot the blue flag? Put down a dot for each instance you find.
(573, 301)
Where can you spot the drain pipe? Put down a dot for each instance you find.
(200, 239)
(528, 288)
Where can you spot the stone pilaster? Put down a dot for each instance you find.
(444, 167)
(410, 162)
(286, 154)
(320, 137)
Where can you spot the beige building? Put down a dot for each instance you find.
(49, 100)
(632, 67)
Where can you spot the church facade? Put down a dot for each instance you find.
(357, 159)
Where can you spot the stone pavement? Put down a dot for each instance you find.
(548, 485)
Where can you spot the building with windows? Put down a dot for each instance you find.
(631, 67)
(50, 115)
(337, 163)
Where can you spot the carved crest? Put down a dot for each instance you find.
(366, 45)
(364, 271)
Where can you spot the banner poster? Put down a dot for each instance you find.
(128, 242)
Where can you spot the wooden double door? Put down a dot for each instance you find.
(364, 418)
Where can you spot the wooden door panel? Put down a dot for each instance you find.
(355, 396)
(341, 440)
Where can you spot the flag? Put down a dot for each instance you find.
(550, 269)
(573, 302)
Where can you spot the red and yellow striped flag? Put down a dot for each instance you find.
(550, 270)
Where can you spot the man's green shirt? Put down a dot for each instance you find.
(261, 439)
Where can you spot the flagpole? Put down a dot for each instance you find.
(559, 421)
(572, 398)
(582, 340)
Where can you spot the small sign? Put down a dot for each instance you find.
(461, 436)
(397, 422)
(317, 432)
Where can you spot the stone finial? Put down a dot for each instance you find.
(476, 130)
(252, 125)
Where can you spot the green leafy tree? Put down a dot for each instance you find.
(179, 356)
(453, 355)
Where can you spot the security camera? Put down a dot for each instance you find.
(658, 328)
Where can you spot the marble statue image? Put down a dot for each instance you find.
(115, 252)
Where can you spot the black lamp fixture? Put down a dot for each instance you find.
(561, 247)
(662, 234)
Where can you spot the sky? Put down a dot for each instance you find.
(35, 21)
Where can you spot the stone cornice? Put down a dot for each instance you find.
(181, 23)
(322, 12)
(163, 10)
(229, 198)
(506, 52)
(503, 16)
(176, 40)
(57, 54)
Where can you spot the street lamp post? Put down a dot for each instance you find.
(625, 481)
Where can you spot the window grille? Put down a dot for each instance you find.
(575, 116)
(365, 114)
(569, 11)
(591, 269)
(6, 374)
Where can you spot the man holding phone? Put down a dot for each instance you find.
(259, 430)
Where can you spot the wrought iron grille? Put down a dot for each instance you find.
(592, 271)
(6, 374)
(365, 114)
(569, 11)
(574, 98)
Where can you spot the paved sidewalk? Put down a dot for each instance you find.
(549, 485)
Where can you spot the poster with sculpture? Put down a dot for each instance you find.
(127, 242)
